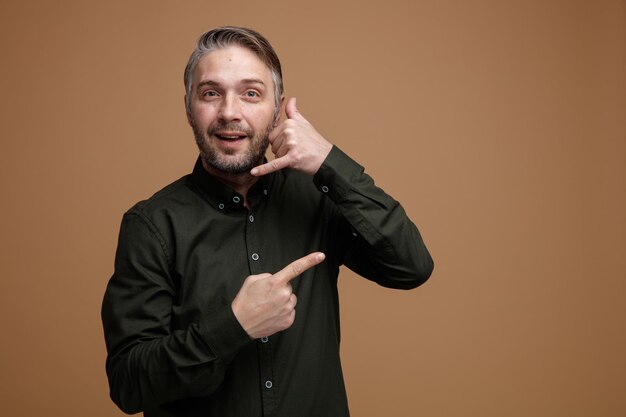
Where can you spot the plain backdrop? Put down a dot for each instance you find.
(499, 126)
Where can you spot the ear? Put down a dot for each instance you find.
(281, 107)
(187, 110)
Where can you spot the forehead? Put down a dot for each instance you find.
(231, 65)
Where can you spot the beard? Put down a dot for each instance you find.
(222, 161)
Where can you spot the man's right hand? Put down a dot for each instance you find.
(265, 304)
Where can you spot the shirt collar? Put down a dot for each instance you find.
(224, 198)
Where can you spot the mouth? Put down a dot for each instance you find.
(230, 136)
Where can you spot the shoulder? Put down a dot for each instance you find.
(171, 200)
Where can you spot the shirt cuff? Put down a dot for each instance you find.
(337, 174)
(223, 333)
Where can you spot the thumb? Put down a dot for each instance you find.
(291, 111)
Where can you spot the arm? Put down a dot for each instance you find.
(388, 248)
(383, 244)
(148, 363)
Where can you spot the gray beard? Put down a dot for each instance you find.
(253, 156)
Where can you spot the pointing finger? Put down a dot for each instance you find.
(271, 166)
(297, 267)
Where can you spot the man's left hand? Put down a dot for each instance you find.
(296, 144)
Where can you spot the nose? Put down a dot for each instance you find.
(230, 108)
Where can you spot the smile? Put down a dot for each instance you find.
(230, 136)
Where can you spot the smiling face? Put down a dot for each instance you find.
(231, 109)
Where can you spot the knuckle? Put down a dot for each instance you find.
(260, 277)
(252, 278)
(296, 269)
(286, 310)
(276, 164)
(290, 319)
(285, 294)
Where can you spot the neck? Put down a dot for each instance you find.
(238, 182)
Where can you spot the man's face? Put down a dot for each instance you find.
(231, 109)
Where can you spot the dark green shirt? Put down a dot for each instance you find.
(174, 345)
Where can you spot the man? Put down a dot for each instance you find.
(224, 297)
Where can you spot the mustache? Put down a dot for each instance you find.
(233, 127)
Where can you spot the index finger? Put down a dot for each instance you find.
(271, 166)
(298, 266)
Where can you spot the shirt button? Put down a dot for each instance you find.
(265, 192)
(264, 339)
(236, 199)
(268, 384)
(255, 256)
(251, 218)
(324, 188)
(221, 206)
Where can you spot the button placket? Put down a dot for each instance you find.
(252, 244)
(264, 344)
(268, 383)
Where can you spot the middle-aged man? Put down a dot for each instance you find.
(200, 316)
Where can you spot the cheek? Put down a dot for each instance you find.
(203, 116)
(261, 117)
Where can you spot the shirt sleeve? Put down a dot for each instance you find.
(384, 245)
(147, 363)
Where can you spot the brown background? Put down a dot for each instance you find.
(500, 126)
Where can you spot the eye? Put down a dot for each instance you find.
(252, 94)
(209, 93)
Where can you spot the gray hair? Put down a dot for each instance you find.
(244, 37)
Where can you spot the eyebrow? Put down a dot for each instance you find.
(244, 81)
